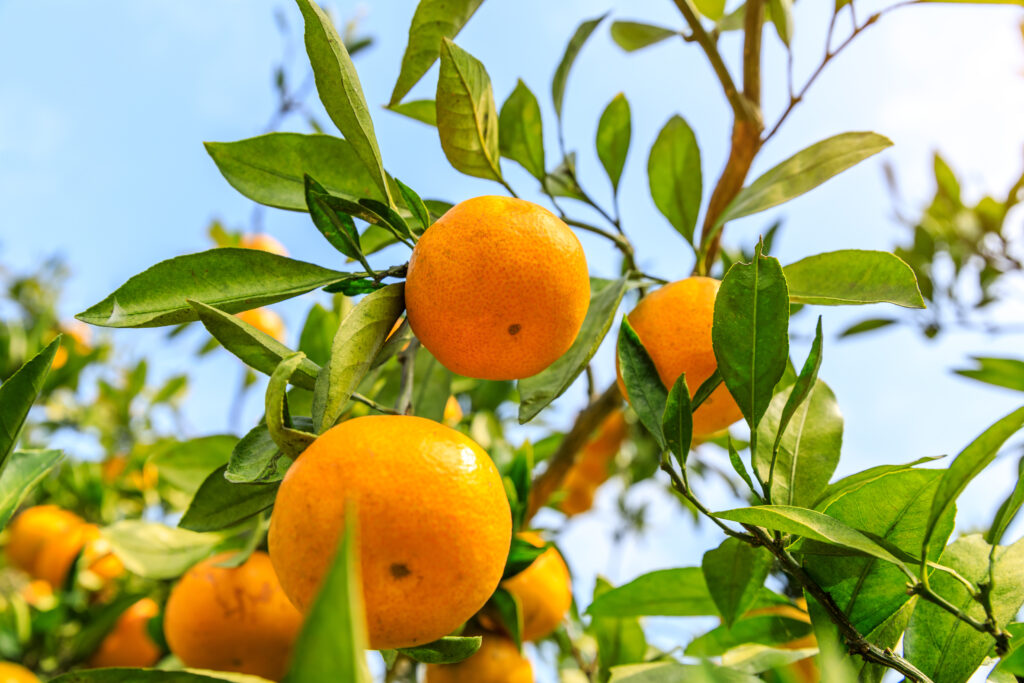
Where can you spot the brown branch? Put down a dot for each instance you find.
(550, 480)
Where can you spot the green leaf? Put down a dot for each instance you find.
(424, 111)
(712, 9)
(853, 276)
(536, 392)
(761, 629)
(738, 466)
(333, 640)
(809, 524)
(750, 333)
(646, 393)
(870, 474)
(447, 650)
(416, 206)
(360, 336)
(521, 131)
(510, 613)
(868, 325)
(945, 648)
(269, 169)
(291, 441)
(1006, 512)
(781, 14)
(634, 35)
(149, 676)
(337, 227)
(219, 504)
(317, 333)
(1001, 372)
(256, 459)
(467, 120)
(255, 348)
(673, 171)
(666, 592)
(229, 278)
(803, 172)
(23, 471)
(674, 672)
(809, 449)
(572, 50)
(677, 420)
(619, 641)
(431, 386)
(337, 83)
(521, 555)
(734, 572)
(158, 551)
(613, 135)
(967, 465)
(186, 464)
(561, 182)
(18, 394)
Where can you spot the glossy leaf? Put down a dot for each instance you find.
(269, 169)
(858, 479)
(750, 333)
(447, 650)
(186, 464)
(337, 227)
(338, 85)
(614, 130)
(317, 333)
(734, 572)
(635, 35)
(646, 393)
(677, 421)
(290, 440)
(1004, 515)
(23, 471)
(157, 551)
(572, 50)
(509, 612)
(416, 206)
(228, 278)
(740, 469)
(467, 120)
(219, 504)
(521, 131)
(1001, 372)
(853, 276)
(432, 21)
(17, 395)
(674, 174)
(803, 172)
(666, 592)
(257, 459)
(424, 111)
(536, 392)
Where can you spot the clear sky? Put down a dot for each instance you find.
(104, 106)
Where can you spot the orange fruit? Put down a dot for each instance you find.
(266, 321)
(112, 468)
(15, 673)
(452, 412)
(591, 467)
(129, 643)
(674, 324)
(32, 528)
(80, 335)
(544, 590)
(262, 242)
(497, 288)
(497, 661)
(232, 619)
(434, 524)
(58, 556)
(38, 593)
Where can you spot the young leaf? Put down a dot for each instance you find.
(619, 641)
(361, 335)
(424, 111)
(291, 441)
(219, 504)
(337, 83)
(1001, 372)
(706, 388)
(853, 276)
(674, 174)
(269, 169)
(740, 468)
(416, 206)
(229, 278)
(157, 551)
(750, 333)
(1006, 513)
(735, 572)
(645, 391)
(467, 121)
(666, 592)
(333, 640)
(521, 131)
(967, 465)
(802, 388)
(255, 348)
(18, 394)
(868, 325)
(803, 172)
(447, 650)
(677, 421)
(561, 182)
(24, 469)
(613, 134)
(572, 50)
(536, 392)
(337, 227)
(432, 21)
(634, 35)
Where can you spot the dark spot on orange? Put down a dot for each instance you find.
(514, 329)
(399, 571)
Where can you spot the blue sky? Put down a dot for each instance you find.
(104, 106)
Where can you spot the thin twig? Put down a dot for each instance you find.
(407, 358)
(366, 401)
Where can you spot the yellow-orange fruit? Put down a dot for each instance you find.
(674, 324)
(129, 643)
(544, 590)
(32, 528)
(112, 468)
(266, 321)
(497, 661)
(37, 593)
(263, 242)
(497, 288)
(232, 619)
(591, 468)
(15, 673)
(434, 524)
(452, 412)
(58, 555)
(80, 335)
(805, 670)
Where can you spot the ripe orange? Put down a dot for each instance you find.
(265, 320)
(80, 335)
(674, 324)
(497, 661)
(15, 673)
(263, 242)
(591, 468)
(58, 555)
(232, 619)
(128, 643)
(544, 591)
(452, 412)
(497, 288)
(434, 524)
(32, 528)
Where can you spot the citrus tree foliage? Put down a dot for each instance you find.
(872, 554)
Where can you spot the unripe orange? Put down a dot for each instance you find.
(266, 321)
(128, 643)
(497, 661)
